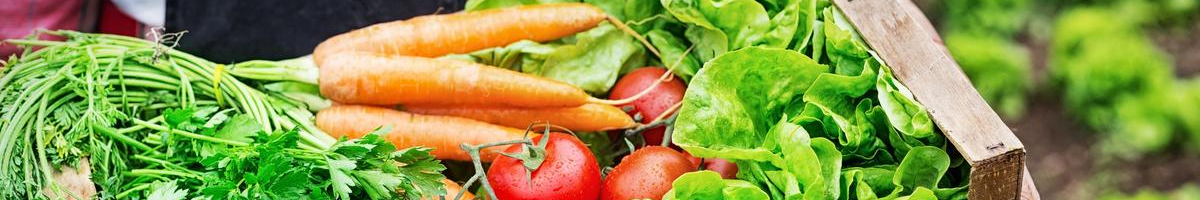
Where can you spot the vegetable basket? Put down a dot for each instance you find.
(996, 156)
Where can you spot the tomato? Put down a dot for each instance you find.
(653, 104)
(647, 173)
(727, 169)
(569, 172)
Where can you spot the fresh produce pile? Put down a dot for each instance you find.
(753, 100)
(788, 92)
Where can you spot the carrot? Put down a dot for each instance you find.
(368, 78)
(452, 190)
(589, 117)
(463, 32)
(443, 134)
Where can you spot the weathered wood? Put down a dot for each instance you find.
(996, 156)
(1028, 190)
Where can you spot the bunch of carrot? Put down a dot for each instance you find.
(449, 102)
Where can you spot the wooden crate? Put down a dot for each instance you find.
(996, 157)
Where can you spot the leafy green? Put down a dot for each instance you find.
(274, 167)
(673, 51)
(922, 168)
(709, 185)
(776, 113)
(904, 113)
(166, 191)
(590, 60)
(476, 5)
(720, 117)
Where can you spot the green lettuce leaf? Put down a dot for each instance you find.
(590, 60)
(477, 5)
(708, 185)
(732, 103)
(741, 23)
(923, 167)
(904, 113)
(672, 49)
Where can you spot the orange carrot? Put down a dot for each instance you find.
(368, 78)
(443, 134)
(589, 117)
(452, 190)
(464, 32)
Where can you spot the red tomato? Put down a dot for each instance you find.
(727, 169)
(569, 172)
(647, 173)
(656, 102)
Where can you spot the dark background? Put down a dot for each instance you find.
(228, 31)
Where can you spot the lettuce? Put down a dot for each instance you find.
(719, 118)
(708, 185)
(738, 106)
(590, 60)
(741, 23)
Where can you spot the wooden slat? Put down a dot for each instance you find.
(1028, 190)
(996, 156)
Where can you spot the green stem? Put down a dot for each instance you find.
(164, 163)
(112, 133)
(188, 134)
(475, 160)
(125, 193)
(140, 172)
(466, 185)
(33, 42)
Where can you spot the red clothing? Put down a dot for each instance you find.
(19, 18)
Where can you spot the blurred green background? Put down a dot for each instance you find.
(1105, 94)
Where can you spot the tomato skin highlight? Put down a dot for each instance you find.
(569, 172)
(646, 174)
(659, 100)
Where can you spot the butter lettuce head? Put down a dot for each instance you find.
(736, 98)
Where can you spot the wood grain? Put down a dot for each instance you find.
(1028, 190)
(996, 155)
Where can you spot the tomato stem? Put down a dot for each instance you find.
(473, 151)
(466, 185)
(654, 124)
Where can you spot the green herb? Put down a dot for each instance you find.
(157, 123)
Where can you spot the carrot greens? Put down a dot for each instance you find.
(155, 123)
